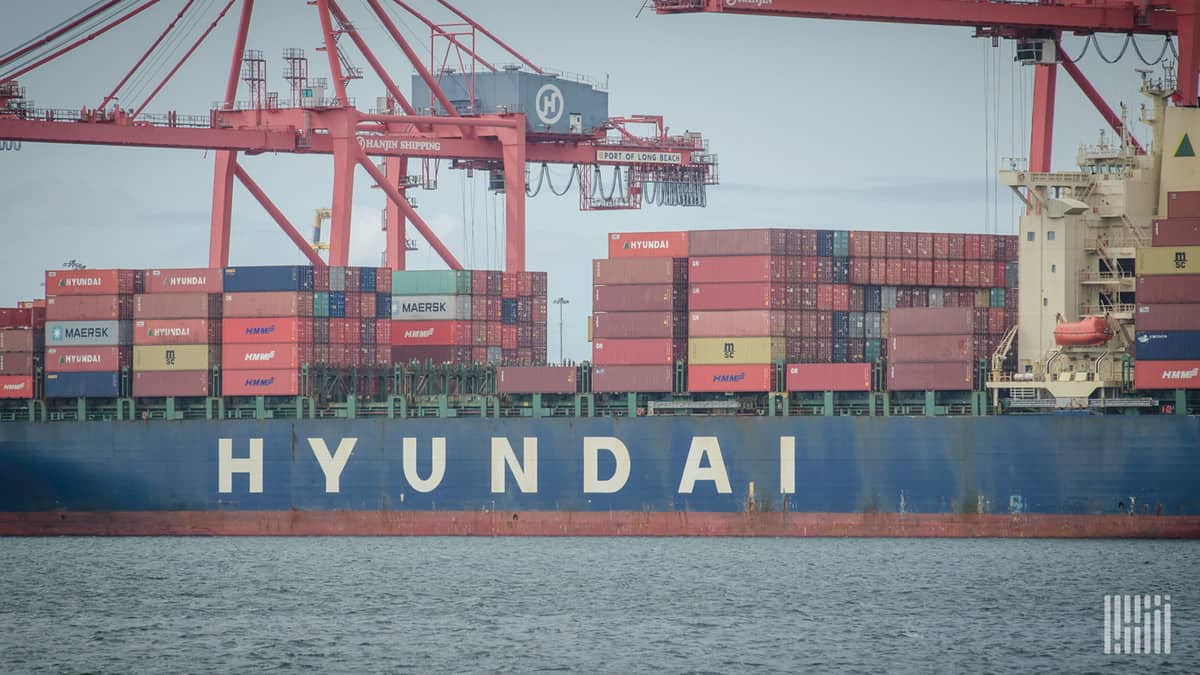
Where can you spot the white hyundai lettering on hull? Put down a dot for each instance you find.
(332, 465)
(436, 472)
(227, 465)
(592, 445)
(524, 472)
(704, 446)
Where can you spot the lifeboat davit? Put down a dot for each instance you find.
(1092, 330)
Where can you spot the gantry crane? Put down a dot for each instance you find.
(673, 169)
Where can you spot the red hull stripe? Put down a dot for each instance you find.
(620, 523)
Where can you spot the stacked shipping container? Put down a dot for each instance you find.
(88, 331)
(176, 332)
(266, 329)
(21, 349)
(351, 317)
(639, 312)
(935, 348)
(1167, 320)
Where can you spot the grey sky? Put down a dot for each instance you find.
(817, 124)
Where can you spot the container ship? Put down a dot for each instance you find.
(743, 382)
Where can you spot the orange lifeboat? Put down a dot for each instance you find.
(1092, 330)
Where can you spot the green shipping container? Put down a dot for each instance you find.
(873, 351)
(841, 243)
(431, 282)
(997, 297)
(321, 304)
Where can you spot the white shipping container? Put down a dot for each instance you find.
(431, 307)
(88, 333)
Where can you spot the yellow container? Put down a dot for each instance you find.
(983, 297)
(1168, 260)
(736, 350)
(173, 357)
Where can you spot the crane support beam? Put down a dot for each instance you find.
(277, 215)
(376, 66)
(396, 246)
(413, 58)
(1041, 143)
(239, 48)
(148, 136)
(1097, 100)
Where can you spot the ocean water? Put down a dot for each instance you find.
(234, 605)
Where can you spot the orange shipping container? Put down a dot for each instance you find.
(648, 245)
(176, 332)
(266, 330)
(730, 378)
(264, 357)
(86, 359)
(198, 280)
(260, 383)
(89, 282)
(16, 386)
(247, 305)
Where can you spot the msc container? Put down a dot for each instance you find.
(88, 333)
(1168, 260)
(17, 363)
(16, 386)
(1176, 232)
(89, 307)
(638, 271)
(177, 306)
(1172, 346)
(448, 333)
(21, 340)
(634, 352)
(737, 242)
(648, 245)
(1166, 374)
(753, 268)
(829, 377)
(176, 331)
(281, 356)
(1184, 204)
(184, 281)
(431, 282)
(731, 378)
(432, 307)
(1172, 289)
(737, 296)
(83, 385)
(86, 359)
(176, 357)
(268, 279)
(931, 321)
(260, 383)
(735, 350)
(639, 325)
(931, 376)
(161, 384)
(637, 298)
(930, 348)
(1170, 317)
(536, 380)
(640, 379)
(738, 323)
(267, 304)
(89, 282)
(266, 330)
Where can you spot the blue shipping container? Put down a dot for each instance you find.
(1174, 346)
(873, 299)
(508, 310)
(337, 304)
(383, 305)
(268, 279)
(825, 243)
(366, 280)
(841, 270)
(83, 385)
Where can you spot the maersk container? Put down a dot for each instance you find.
(16, 386)
(431, 282)
(536, 380)
(1166, 374)
(1166, 317)
(431, 307)
(735, 350)
(1168, 346)
(267, 279)
(88, 333)
(161, 384)
(89, 307)
(21, 340)
(931, 376)
(17, 363)
(639, 379)
(177, 306)
(89, 282)
(1169, 289)
(260, 383)
(932, 321)
(731, 378)
(737, 242)
(83, 385)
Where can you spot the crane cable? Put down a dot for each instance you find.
(544, 176)
(64, 39)
(1168, 45)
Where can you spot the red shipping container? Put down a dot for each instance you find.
(433, 353)
(970, 277)
(931, 376)
(747, 268)
(1176, 317)
(1176, 232)
(920, 297)
(366, 305)
(479, 282)
(539, 308)
(924, 246)
(795, 268)
(648, 245)
(804, 296)
(89, 307)
(908, 244)
(841, 298)
(996, 324)
(879, 246)
(653, 351)
(260, 383)
(809, 324)
(824, 350)
(321, 278)
(824, 324)
(999, 274)
(508, 337)
(860, 244)
(904, 297)
(12, 317)
(16, 363)
(350, 331)
(182, 306)
(857, 299)
(633, 298)
(878, 271)
(643, 379)
(956, 247)
(1179, 205)
(925, 273)
(895, 275)
(731, 378)
(1168, 289)
(737, 296)
(248, 305)
(824, 270)
(808, 242)
(738, 323)
(266, 330)
(87, 359)
(537, 380)
(931, 321)
(930, 348)
(825, 296)
(829, 377)
(161, 384)
(16, 386)
(941, 246)
(908, 272)
(265, 357)
(176, 332)
(19, 340)
(430, 333)
(955, 272)
(808, 269)
(860, 271)
(737, 242)
(895, 245)
(199, 280)
(941, 273)
(524, 284)
(971, 246)
(1166, 374)
(89, 282)
(508, 283)
(987, 274)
